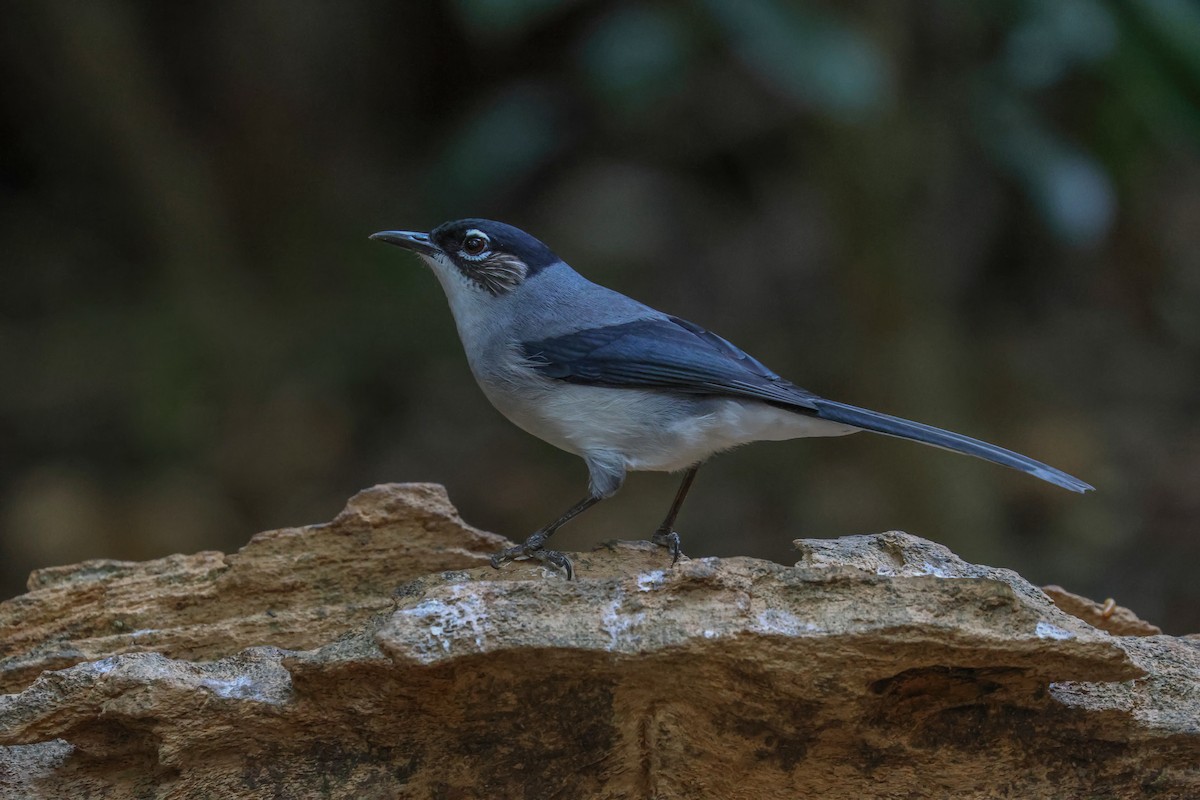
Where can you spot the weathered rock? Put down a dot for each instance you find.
(877, 666)
(295, 587)
(1107, 616)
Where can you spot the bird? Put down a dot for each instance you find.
(622, 385)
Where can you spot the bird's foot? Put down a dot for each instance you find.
(665, 537)
(535, 547)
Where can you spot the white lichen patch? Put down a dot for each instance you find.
(777, 621)
(934, 570)
(914, 570)
(651, 580)
(460, 618)
(239, 687)
(620, 624)
(1045, 630)
(101, 667)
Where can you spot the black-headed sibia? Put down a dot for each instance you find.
(621, 385)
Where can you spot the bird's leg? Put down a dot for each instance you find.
(666, 535)
(535, 545)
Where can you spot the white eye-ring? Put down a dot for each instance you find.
(475, 243)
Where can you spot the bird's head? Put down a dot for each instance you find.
(476, 256)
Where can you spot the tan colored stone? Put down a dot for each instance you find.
(294, 587)
(1107, 616)
(877, 666)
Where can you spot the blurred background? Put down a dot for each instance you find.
(985, 216)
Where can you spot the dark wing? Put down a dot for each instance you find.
(665, 353)
(673, 354)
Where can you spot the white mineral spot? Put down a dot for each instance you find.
(650, 580)
(241, 687)
(618, 624)
(773, 620)
(1045, 630)
(462, 618)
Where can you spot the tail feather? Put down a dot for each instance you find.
(906, 429)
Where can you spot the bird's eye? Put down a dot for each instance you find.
(474, 245)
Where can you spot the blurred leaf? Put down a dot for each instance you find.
(808, 57)
(1054, 37)
(501, 19)
(635, 55)
(1156, 71)
(1175, 27)
(516, 132)
(1073, 192)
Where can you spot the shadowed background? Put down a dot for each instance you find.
(983, 216)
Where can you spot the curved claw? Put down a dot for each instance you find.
(504, 556)
(664, 537)
(534, 547)
(556, 558)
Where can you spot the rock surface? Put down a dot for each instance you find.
(337, 661)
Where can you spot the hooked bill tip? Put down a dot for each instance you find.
(409, 240)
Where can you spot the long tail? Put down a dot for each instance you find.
(905, 429)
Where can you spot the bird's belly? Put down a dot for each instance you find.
(651, 430)
(719, 424)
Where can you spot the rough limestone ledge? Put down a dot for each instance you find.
(343, 661)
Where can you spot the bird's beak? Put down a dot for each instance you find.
(419, 243)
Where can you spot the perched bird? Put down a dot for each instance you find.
(621, 385)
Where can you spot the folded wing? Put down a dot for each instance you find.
(672, 354)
